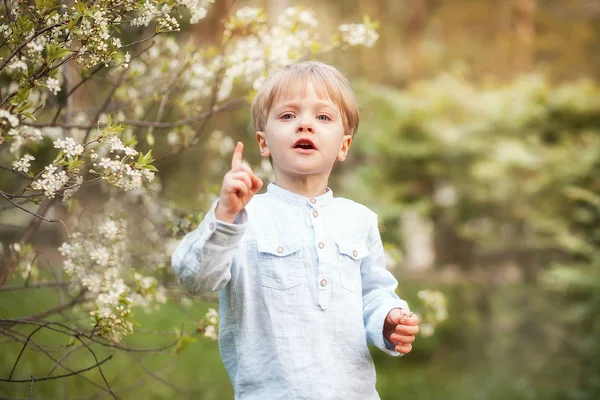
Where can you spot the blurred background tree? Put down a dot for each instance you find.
(479, 148)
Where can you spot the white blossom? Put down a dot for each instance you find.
(51, 181)
(11, 119)
(210, 332)
(23, 164)
(148, 12)
(358, 34)
(69, 147)
(53, 85)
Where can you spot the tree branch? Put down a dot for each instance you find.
(160, 125)
(97, 364)
(29, 39)
(4, 195)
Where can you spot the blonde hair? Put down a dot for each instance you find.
(327, 82)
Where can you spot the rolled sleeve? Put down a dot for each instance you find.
(202, 260)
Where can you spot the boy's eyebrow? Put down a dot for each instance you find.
(296, 104)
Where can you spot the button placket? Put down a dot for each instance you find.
(323, 269)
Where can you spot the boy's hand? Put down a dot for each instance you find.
(400, 328)
(239, 185)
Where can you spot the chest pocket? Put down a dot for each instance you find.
(350, 256)
(280, 261)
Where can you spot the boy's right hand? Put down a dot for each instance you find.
(239, 185)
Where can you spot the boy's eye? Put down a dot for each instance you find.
(323, 117)
(287, 116)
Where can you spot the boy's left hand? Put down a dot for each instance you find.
(400, 328)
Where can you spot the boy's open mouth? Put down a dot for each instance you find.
(305, 144)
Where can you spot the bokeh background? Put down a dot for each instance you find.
(479, 148)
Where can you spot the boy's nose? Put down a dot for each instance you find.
(304, 126)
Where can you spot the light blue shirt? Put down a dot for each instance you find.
(303, 288)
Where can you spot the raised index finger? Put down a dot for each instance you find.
(236, 160)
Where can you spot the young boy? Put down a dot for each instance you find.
(301, 274)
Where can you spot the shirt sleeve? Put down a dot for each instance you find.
(202, 260)
(378, 291)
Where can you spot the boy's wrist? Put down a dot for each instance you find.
(223, 216)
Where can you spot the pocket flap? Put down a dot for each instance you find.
(279, 246)
(355, 250)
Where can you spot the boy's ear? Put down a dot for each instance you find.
(346, 141)
(261, 138)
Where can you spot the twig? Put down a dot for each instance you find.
(19, 173)
(76, 300)
(83, 80)
(29, 39)
(12, 371)
(160, 125)
(139, 41)
(33, 213)
(159, 378)
(99, 369)
(63, 358)
(59, 376)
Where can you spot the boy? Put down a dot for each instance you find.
(301, 275)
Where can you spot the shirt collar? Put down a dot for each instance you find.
(293, 198)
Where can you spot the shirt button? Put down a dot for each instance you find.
(355, 253)
(321, 245)
(211, 226)
(313, 201)
(280, 249)
(323, 282)
(315, 214)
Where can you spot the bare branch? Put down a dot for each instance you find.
(19, 173)
(97, 364)
(160, 125)
(83, 80)
(54, 310)
(12, 371)
(140, 41)
(72, 372)
(159, 378)
(4, 195)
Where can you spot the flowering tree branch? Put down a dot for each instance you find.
(119, 233)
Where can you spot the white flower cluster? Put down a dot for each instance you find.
(122, 172)
(115, 144)
(51, 181)
(97, 258)
(167, 23)
(22, 135)
(8, 119)
(220, 142)
(435, 310)
(209, 324)
(123, 175)
(197, 8)
(148, 12)
(358, 34)
(23, 163)
(26, 257)
(69, 147)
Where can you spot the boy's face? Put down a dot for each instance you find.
(304, 134)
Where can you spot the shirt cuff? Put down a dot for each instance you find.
(224, 233)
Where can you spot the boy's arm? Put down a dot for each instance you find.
(202, 260)
(378, 291)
